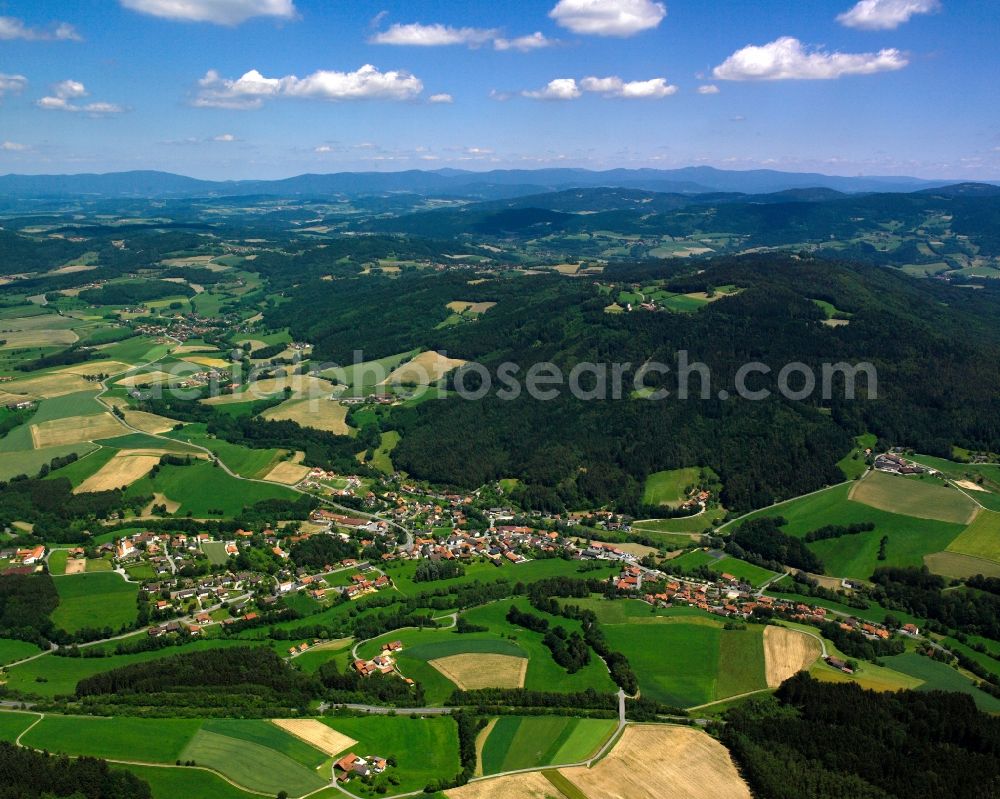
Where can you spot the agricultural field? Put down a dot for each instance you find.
(13, 723)
(75, 430)
(94, 601)
(320, 413)
(856, 556)
(981, 539)
(669, 488)
(720, 563)
(935, 676)
(126, 738)
(122, 470)
(191, 783)
(206, 490)
(12, 650)
(424, 748)
(50, 676)
(921, 498)
(427, 367)
(255, 764)
(517, 742)
(655, 761)
(690, 662)
(255, 463)
(472, 670)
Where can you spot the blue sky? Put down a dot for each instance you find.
(271, 88)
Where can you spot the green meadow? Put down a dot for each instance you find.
(520, 742)
(856, 556)
(668, 488)
(204, 489)
(94, 601)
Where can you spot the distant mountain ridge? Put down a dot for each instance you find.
(492, 185)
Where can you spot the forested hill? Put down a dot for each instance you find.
(772, 220)
(936, 349)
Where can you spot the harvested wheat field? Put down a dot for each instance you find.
(427, 367)
(484, 733)
(149, 422)
(38, 338)
(481, 670)
(651, 762)
(302, 386)
(787, 652)
(321, 413)
(146, 378)
(90, 368)
(968, 485)
(75, 430)
(46, 386)
(317, 734)
(122, 470)
(212, 363)
(532, 785)
(287, 473)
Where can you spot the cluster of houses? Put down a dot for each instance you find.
(321, 479)
(351, 765)
(896, 464)
(23, 561)
(354, 523)
(383, 663)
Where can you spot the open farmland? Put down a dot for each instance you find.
(320, 413)
(98, 601)
(251, 764)
(981, 539)
(483, 670)
(206, 490)
(517, 742)
(316, 734)
(652, 762)
(856, 556)
(787, 652)
(424, 748)
(122, 470)
(669, 488)
(914, 497)
(287, 473)
(532, 785)
(427, 367)
(75, 430)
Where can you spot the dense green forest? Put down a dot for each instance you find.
(569, 452)
(26, 774)
(829, 741)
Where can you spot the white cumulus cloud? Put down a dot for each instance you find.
(708, 88)
(435, 35)
(14, 28)
(608, 17)
(252, 88)
(525, 44)
(613, 86)
(558, 89)
(11, 83)
(225, 137)
(878, 15)
(441, 98)
(788, 59)
(221, 12)
(13, 147)
(65, 92)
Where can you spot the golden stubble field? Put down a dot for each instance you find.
(482, 670)
(787, 652)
